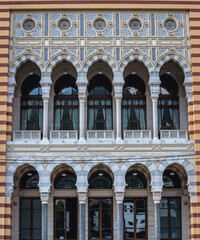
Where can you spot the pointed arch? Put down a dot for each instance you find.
(63, 57)
(187, 166)
(177, 59)
(97, 57)
(25, 58)
(136, 57)
(10, 173)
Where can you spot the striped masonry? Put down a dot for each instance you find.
(6, 109)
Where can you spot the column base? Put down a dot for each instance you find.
(119, 141)
(156, 140)
(82, 141)
(45, 140)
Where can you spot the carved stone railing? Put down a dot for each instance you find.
(63, 135)
(28, 135)
(100, 135)
(174, 134)
(137, 134)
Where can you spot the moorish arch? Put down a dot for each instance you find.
(121, 173)
(23, 59)
(14, 166)
(99, 57)
(136, 57)
(60, 58)
(177, 59)
(186, 165)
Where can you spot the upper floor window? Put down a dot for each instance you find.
(66, 104)
(29, 180)
(100, 103)
(65, 180)
(100, 180)
(31, 104)
(168, 103)
(135, 180)
(171, 179)
(133, 103)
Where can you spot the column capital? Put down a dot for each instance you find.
(188, 89)
(82, 196)
(11, 90)
(46, 86)
(119, 197)
(157, 197)
(44, 196)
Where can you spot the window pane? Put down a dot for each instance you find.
(32, 114)
(25, 234)
(164, 218)
(175, 233)
(164, 233)
(141, 233)
(60, 234)
(36, 204)
(99, 125)
(175, 218)
(106, 219)
(37, 219)
(174, 203)
(60, 218)
(140, 218)
(133, 125)
(94, 219)
(25, 218)
(25, 203)
(37, 234)
(94, 203)
(66, 126)
(129, 217)
(129, 233)
(106, 233)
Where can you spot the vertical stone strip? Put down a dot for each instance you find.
(194, 110)
(5, 123)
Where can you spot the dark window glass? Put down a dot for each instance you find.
(65, 218)
(100, 219)
(66, 104)
(135, 219)
(30, 219)
(168, 104)
(100, 180)
(135, 179)
(31, 104)
(29, 180)
(171, 179)
(170, 218)
(100, 103)
(133, 104)
(65, 180)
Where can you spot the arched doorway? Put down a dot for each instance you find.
(65, 203)
(135, 204)
(100, 205)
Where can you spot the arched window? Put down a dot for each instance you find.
(133, 104)
(100, 180)
(29, 180)
(31, 104)
(100, 103)
(168, 103)
(171, 179)
(135, 180)
(65, 180)
(66, 104)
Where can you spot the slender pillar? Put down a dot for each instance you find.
(82, 199)
(45, 118)
(82, 118)
(44, 199)
(118, 118)
(44, 221)
(155, 117)
(120, 224)
(118, 88)
(156, 199)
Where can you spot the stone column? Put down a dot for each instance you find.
(82, 90)
(45, 118)
(118, 119)
(82, 200)
(154, 84)
(120, 222)
(155, 117)
(118, 83)
(44, 199)
(82, 118)
(45, 84)
(156, 199)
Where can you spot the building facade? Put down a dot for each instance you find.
(99, 125)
